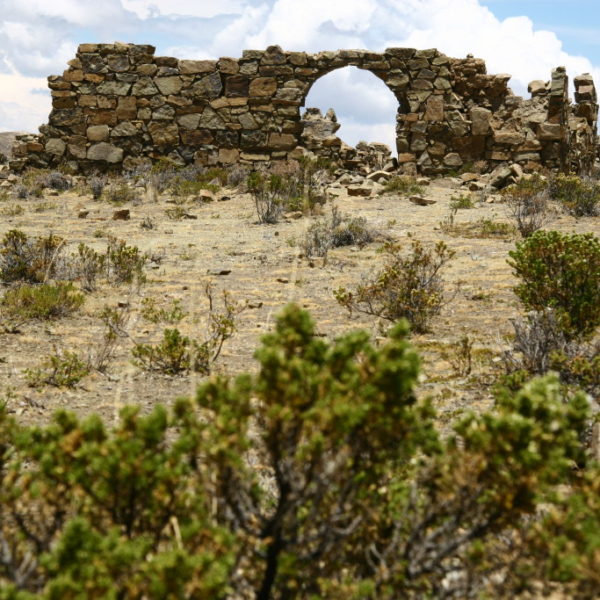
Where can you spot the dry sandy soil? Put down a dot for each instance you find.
(264, 266)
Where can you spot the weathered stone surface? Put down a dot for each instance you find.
(189, 121)
(435, 109)
(98, 133)
(550, 131)
(114, 88)
(211, 120)
(124, 129)
(263, 86)
(164, 135)
(508, 137)
(144, 87)
(210, 86)
(168, 85)
(105, 152)
(55, 146)
(480, 120)
(193, 67)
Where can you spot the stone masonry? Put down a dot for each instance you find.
(118, 106)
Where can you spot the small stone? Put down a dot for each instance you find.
(121, 215)
(97, 133)
(421, 201)
(359, 190)
(218, 272)
(82, 214)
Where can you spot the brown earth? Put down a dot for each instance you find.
(264, 266)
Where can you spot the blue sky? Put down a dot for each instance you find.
(524, 38)
(576, 22)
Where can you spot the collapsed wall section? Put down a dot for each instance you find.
(118, 106)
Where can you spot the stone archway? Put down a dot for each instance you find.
(395, 79)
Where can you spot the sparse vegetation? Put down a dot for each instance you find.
(339, 230)
(409, 286)
(43, 301)
(579, 197)
(527, 203)
(461, 202)
(403, 184)
(63, 369)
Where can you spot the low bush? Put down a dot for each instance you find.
(43, 301)
(124, 263)
(409, 286)
(64, 369)
(31, 260)
(462, 202)
(177, 353)
(561, 272)
(580, 197)
(403, 184)
(338, 231)
(527, 203)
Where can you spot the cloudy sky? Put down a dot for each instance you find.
(526, 38)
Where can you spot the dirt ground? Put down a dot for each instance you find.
(263, 265)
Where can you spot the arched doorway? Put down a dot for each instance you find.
(365, 108)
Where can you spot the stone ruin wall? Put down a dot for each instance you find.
(118, 105)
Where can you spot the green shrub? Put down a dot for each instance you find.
(403, 184)
(562, 272)
(33, 261)
(340, 230)
(527, 204)
(60, 370)
(172, 315)
(44, 301)
(461, 202)
(321, 472)
(123, 263)
(580, 197)
(409, 286)
(118, 192)
(177, 353)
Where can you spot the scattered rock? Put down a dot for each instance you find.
(121, 215)
(218, 272)
(421, 201)
(82, 214)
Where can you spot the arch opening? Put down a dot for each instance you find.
(364, 107)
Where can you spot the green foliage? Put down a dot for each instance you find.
(123, 263)
(64, 369)
(340, 230)
(44, 301)
(172, 315)
(403, 184)
(527, 203)
(319, 476)
(409, 286)
(177, 353)
(579, 197)
(562, 272)
(34, 261)
(117, 191)
(461, 202)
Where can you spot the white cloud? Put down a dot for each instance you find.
(145, 9)
(24, 104)
(37, 37)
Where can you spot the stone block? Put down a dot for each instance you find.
(237, 86)
(480, 120)
(435, 109)
(164, 134)
(550, 131)
(98, 133)
(229, 66)
(508, 137)
(55, 146)
(263, 86)
(126, 108)
(168, 85)
(190, 121)
(193, 67)
(105, 152)
(210, 86)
